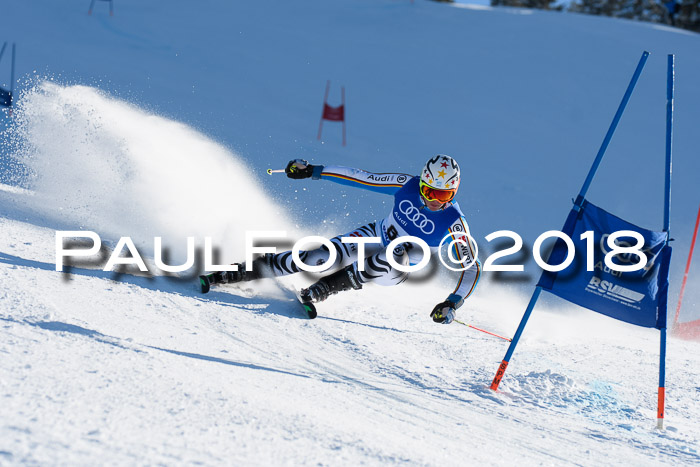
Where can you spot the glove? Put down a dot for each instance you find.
(443, 312)
(298, 169)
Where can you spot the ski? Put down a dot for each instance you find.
(310, 309)
(205, 283)
(307, 305)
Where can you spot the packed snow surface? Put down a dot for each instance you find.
(161, 121)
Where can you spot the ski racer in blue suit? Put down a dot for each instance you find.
(422, 208)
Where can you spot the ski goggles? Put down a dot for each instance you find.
(433, 194)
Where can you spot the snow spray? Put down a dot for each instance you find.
(102, 164)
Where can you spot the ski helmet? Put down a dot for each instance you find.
(439, 180)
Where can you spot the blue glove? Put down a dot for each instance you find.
(444, 312)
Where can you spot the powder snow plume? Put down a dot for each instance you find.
(108, 166)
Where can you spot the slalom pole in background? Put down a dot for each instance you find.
(685, 275)
(6, 96)
(663, 305)
(12, 70)
(578, 204)
(333, 114)
(12, 76)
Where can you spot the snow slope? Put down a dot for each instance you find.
(161, 121)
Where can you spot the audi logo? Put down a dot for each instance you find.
(419, 220)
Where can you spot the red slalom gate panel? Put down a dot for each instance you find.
(333, 114)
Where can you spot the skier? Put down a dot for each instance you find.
(423, 208)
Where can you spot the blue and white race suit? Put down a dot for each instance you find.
(409, 217)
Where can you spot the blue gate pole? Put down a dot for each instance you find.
(606, 141)
(511, 348)
(667, 228)
(669, 142)
(578, 204)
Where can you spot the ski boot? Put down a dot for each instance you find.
(345, 279)
(262, 267)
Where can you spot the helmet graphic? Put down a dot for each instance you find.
(440, 179)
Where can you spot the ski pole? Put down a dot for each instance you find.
(478, 329)
(275, 171)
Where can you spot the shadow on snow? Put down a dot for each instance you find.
(183, 287)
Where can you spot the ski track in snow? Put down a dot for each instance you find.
(148, 369)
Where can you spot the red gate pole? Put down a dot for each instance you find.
(325, 99)
(687, 269)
